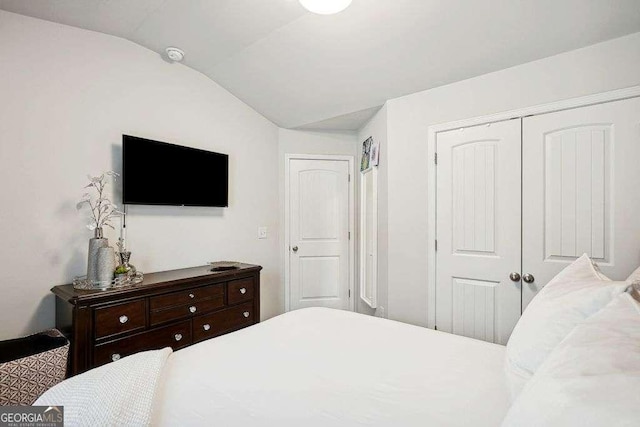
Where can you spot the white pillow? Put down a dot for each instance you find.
(592, 378)
(635, 276)
(573, 295)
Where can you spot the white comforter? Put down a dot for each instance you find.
(311, 367)
(322, 367)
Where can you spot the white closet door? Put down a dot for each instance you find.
(581, 186)
(478, 231)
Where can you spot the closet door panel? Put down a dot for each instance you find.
(581, 182)
(478, 231)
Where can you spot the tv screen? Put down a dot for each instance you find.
(157, 173)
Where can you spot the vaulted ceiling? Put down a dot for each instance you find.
(303, 70)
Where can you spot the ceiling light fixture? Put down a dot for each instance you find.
(175, 54)
(325, 7)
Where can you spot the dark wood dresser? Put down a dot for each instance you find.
(172, 308)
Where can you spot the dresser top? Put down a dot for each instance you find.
(161, 281)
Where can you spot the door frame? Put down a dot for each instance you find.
(520, 113)
(287, 220)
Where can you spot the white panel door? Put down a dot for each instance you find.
(318, 233)
(478, 231)
(581, 186)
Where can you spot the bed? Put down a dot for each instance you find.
(310, 367)
(318, 367)
(324, 367)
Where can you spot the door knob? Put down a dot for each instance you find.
(294, 249)
(528, 278)
(515, 276)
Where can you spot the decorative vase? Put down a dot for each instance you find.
(95, 244)
(124, 262)
(97, 233)
(106, 266)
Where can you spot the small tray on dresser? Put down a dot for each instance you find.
(224, 265)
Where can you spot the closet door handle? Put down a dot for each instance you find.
(515, 276)
(528, 278)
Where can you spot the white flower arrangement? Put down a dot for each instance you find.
(101, 208)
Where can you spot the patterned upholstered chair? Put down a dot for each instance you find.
(31, 365)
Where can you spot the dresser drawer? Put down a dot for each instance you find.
(184, 311)
(211, 325)
(119, 318)
(186, 297)
(175, 336)
(240, 291)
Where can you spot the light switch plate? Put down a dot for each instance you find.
(262, 232)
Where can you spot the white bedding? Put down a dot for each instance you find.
(322, 367)
(592, 378)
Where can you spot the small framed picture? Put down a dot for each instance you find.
(365, 161)
(375, 154)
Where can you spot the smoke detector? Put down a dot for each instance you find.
(175, 54)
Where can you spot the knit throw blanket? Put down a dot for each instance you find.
(117, 394)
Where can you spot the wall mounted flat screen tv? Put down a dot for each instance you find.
(157, 173)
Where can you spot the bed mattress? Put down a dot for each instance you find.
(324, 367)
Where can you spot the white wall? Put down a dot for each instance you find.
(377, 129)
(310, 142)
(315, 142)
(611, 65)
(67, 96)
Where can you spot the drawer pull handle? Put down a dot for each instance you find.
(192, 296)
(124, 319)
(243, 290)
(206, 327)
(178, 337)
(115, 356)
(192, 309)
(245, 314)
